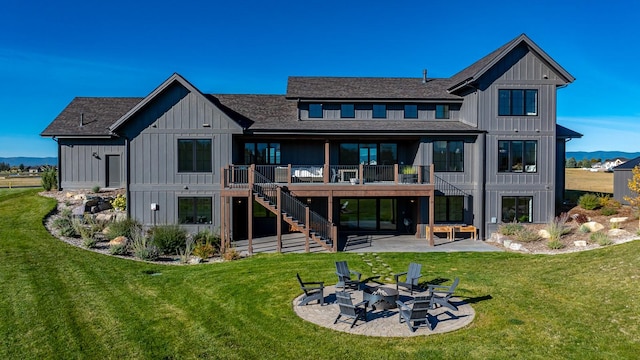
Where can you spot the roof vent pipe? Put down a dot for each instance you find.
(81, 119)
(424, 76)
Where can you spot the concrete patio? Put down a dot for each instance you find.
(295, 243)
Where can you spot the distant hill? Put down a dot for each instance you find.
(29, 161)
(603, 155)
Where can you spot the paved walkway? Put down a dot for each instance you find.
(295, 243)
(384, 323)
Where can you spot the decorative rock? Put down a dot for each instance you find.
(95, 209)
(617, 232)
(506, 242)
(68, 195)
(593, 226)
(543, 233)
(104, 206)
(195, 260)
(79, 197)
(580, 243)
(515, 246)
(104, 217)
(78, 211)
(120, 216)
(118, 241)
(618, 219)
(91, 202)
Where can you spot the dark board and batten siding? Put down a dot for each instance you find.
(621, 179)
(82, 169)
(154, 176)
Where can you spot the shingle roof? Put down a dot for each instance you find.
(566, 133)
(628, 165)
(276, 113)
(98, 113)
(367, 88)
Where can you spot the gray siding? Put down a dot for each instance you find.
(80, 168)
(621, 179)
(154, 134)
(363, 111)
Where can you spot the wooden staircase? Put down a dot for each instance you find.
(295, 213)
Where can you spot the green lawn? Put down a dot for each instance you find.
(58, 301)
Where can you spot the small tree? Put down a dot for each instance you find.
(634, 186)
(571, 163)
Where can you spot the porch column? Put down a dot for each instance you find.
(223, 227)
(326, 173)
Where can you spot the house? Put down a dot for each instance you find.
(621, 176)
(333, 156)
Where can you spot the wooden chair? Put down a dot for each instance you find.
(346, 277)
(414, 312)
(349, 310)
(411, 278)
(467, 229)
(440, 295)
(312, 291)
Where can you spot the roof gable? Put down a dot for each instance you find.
(473, 72)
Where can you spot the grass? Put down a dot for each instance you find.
(27, 181)
(58, 301)
(587, 181)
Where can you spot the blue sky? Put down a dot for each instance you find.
(51, 52)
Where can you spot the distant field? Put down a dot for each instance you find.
(31, 181)
(596, 182)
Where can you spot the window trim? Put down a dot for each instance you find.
(529, 198)
(194, 209)
(193, 168)
(525, 102)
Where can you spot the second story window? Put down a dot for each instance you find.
(411, 111)
(347, 111)
(517, 156)
(442, 111)
(315, 111)
(194, 155)
(261, 153)
(448, 156)
(517, 102)
(379, 111)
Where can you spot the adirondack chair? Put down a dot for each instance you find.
(414, 312)
(312, 291)
(350, 310)
(346, 276)
(411, 278)
(441, 295)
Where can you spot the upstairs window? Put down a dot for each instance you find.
(517, 156)
(411, 111)
(347, 111)
(442, 111)
(448, 156)
(194, 155)
(315, 111)
(517, 102)
(379, 111)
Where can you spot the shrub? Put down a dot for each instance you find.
(589, 201)
(607, 211)
(94, 225)
(231, 254)
(89, 242)
(95, 189)
(208, 237)
(118, 249)
(555, 244)
(580, 218)
(64, 223)
(169, 238)
(607, 201)
(49, 179)
(601, 239)
(123, 228)
(119, 202)
(509, 229)
(584, 229)
(557, 227)
(188, 250)
(526, 235)
(142, 248)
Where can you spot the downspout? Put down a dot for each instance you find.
(127, 161)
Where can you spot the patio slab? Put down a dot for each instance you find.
(384, 323)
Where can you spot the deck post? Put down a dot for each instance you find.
(431, 207)
(334, 235)
(326, 174)
(361, 174)
(395, 173)
(307, 216)
(223, 238)
(279, 219)
(420, 168)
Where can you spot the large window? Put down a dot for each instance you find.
(411, 111)
(517, 102)
(347, 111)
(517, 208)
(517, 156)
(261, 153)
(442, 111)
(194, 210)
(448, 156)
(194, 155)
(368, 154)
(315, 111)
(379, 111)
(449, 209)
(368, 214)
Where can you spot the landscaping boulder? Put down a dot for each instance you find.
(104, 206)
(618, 219)
(118, 240)
(617, 232)
(78, 211)
(543, 233)
(580, 243)
(593, 226)
(104, 217)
